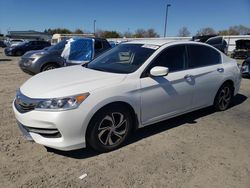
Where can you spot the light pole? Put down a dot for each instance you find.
(166, 20)
(94, 26)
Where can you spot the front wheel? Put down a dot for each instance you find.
(19, 53)
(49, 67)
(109, 129)
(224, 97)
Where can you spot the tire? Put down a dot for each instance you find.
(224, 97)
(49, 66)
(19, 53)
(109, 129)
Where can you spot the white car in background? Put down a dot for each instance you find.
(13, 42)
(131, 86)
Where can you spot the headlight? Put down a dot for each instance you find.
(66, 103)
(28, 62)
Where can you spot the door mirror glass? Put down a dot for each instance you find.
(159, 71)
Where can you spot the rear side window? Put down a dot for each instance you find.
(98, 45)
(200, 56)
(173, 57)
(215, 40)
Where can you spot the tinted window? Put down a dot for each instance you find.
(173, 57)
(33, 43)
(215, 40)
(200, 56)
(98, 45)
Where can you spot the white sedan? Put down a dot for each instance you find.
(131, 86)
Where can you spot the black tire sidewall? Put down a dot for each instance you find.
(45, 68)
(92, 138)
(19, 53)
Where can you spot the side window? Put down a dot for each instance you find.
(173, 57)
(200, 56)
(33, 43)
(98, 45)
(215, 40)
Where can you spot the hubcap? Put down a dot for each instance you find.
(50, 68)
(224, 98)
(112, 129)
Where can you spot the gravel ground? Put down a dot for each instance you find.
(199, 149)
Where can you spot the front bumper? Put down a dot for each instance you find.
(8, 52)
(42, 127)
(31, 69)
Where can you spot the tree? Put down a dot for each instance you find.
(206, 31)
(142, 33)
(152, 33)
(78, 31)
(107, 34)
(223, 32)
(184, 32)
(235, 30)
(59, 30)
(239, 30)
(128, 34)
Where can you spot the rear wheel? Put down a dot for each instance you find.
(49, 67)
(109, 129)
(224, 97)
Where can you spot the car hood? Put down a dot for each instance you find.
(34, 52)
(68, 81)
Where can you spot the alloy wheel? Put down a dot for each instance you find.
(224, 98)
(112, 129)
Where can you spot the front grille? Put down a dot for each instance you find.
(23, 103)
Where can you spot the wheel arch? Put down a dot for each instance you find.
(120, 104)
(48, 63)
(230, 81)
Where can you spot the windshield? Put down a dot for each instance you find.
(124, 58)
(58, 47)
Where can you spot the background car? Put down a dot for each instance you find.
(22, 48)
(10, 42)
(202, 38)
(130, 86)
(245, 68)
(2, 44)
(219, 43)
(34, 62)
(242, 50)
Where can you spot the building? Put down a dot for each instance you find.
(35, 35)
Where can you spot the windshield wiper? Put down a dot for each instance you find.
(98, 69)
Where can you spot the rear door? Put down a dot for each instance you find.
(207, 71)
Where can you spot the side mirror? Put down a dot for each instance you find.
(159, 71)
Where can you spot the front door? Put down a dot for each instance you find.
(163, 97)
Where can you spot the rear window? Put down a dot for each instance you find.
(200, 56)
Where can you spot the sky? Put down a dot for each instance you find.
(123, 15)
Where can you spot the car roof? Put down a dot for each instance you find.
(161, 42)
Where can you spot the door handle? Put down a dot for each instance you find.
(220, 70)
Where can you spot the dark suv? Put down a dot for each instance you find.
(219, 43)
(38, 61)
(23, 47)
